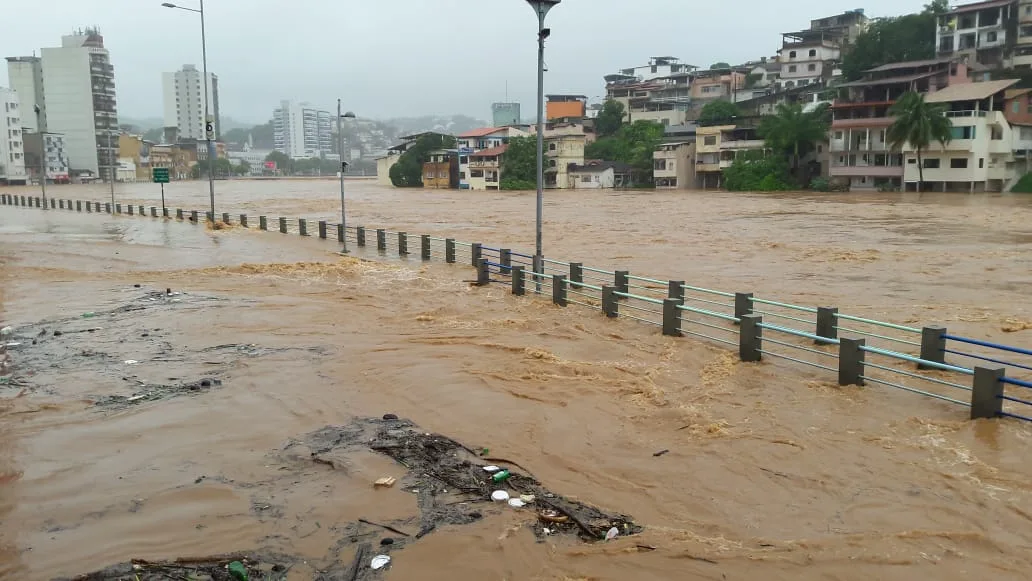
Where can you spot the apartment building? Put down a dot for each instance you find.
(713, 84)
(485, 169)
(503, 114)
(441, 169)
(25, 74)
(303, 132)
(807, 57)
(860, 154)
(50, 146)
(980, 157)
(184, 93)
(597, 175)
(1021, 54)
(562, 150)
(718, 146)
(12, 148)
(843, 28)
(982, 32)
(659, 91)
(674, 165)
(477, 140)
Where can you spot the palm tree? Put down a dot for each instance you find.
(794, 132)
(918, 123)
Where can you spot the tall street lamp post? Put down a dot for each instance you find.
(209, 126)
(42, 153)
(343, 166)
(541, 7)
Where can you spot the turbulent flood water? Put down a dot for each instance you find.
(165, 425)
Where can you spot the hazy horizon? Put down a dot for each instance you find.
(406, 58)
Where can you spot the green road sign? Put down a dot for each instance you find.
(160, 175)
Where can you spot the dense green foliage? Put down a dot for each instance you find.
(718, 113)
(519, 164)
(794, 133)
(223, 168)
(1024, 185)
(281, 160)
(632, 144)
(823, 184)
(918, 123)
(753, 172)
(610, 118)
(408, 171)
(307, 167)
(894, 39)
(262, 135)
(720, 65)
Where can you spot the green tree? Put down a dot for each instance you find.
(519, 164)
(610, 118)
(718, 113)
(408, 171)
(281, 160)
(156, 135)
(918, 123)
(720, 65)
(895, 39)
(793, 132)
(754, 172)
(243, 168)
(633, 144)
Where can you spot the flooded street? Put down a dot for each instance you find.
(166, 425)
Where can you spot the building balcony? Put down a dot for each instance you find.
(862, 122)
(664, 173)
(742, 144)
(878, 171)
(707, 167)
(483, 164)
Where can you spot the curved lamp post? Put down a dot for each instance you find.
(541, 7)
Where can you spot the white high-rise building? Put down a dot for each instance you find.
(301, 131)
(184, 102)
(79, 98)
(26, 78)
(12, 148)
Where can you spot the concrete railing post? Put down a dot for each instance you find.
(559, 295)
(851, 361)
(129, 207)
(750, 338)
(675, 290)
(402, 243)
(61, 205)
(38, 204)
(827, 324)
(89, 207)
(165, 211)
(360, 235)
(743, 304)
(283, 225)
(78, 205)
(381, 239)
(193, 216)
(263, 223)
(179, 213)
(577, 272)
(143, 211)
(107, 207)
(208, 216)
(322, 229)
(424, 246)
(340, 233)
(476, 251)
(302, 227)
(96, 206)
(505, 259)
(154, 212)
(610, 304)
(672, 317)
(987, 392)
(483, 272)
(53, 203)
(519, 281)
(622, 282)
(225, 218)
(449, 250)
(933, 345)
(243, 220)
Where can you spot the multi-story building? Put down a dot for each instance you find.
(503, 114)
(441, 169)
(980, 157)
(477, 140)
(714, 84)
(673, 165)
(26, 77)
(255, 159)
(565, 106)
(807, 57)
(660, 91)
(718, 146)
(136, 150)
(184, 102)
(1021, 55)
(982, 32)
(659, 67)
(50, 145)
(79, 100)
(842, 28)
(485, 169)
(860, 154)
(12, 148)
(596, 175)
(302, 132)
(562, 150)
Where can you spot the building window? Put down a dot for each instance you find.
(811, 67)
(932, 163)
(659, 164)
(791, 54)
(791, 68)
(585, 179)
(476, 173)
(813, 52)
(912, 161)
(551, 163)
(981, 162)
(990, 37)
(551, 147)
(838, 135)
(709, 140)
(958, 163)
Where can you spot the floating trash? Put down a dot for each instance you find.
(131, 362)
(380, 561)
(516, 503)
(499, 496)
(491, 469)
(611, 534)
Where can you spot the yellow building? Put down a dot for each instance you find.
(562, 151)
(136, 149)
(717, 147)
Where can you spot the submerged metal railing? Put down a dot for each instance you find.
(902, 357)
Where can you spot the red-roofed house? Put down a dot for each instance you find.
(478, 140)
(485, 169)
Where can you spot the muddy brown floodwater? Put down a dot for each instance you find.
(772, 472)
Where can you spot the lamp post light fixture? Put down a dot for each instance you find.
(343, 168)
(541, 7)
(209, 123)
(42, 152)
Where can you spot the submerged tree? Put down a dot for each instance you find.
(794, 132)
(918, 123)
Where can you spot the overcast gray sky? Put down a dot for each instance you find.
(390, 58)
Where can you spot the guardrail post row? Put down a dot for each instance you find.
(851, 361)
(302, 227)
(743, 305)
(827, 319)
(193, 216)
(987, 392)
(577, 272)
(143, 211)
(61, 204)
(449, 250)
(225, 218)
(750, 338)
(622, 282)
(243, 220)
(672, 317)
(283, 225)
(89, 207)
(483, 272)
(505, 259)
(519, 281)
(675, 290)
(78, 205)
(360, 235)
(53, 203)
(130, 208)
(340, 233)
(381, 240)
(559, 287)
(164, 212)
(154, 211)
(179, 213)
(263, 223)
(610, 304)
(933, 345)
(402, 243)
(424, 246)
(107, 207)
(322, 229)
(38, 203)
(476, 250)
(209, 217)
